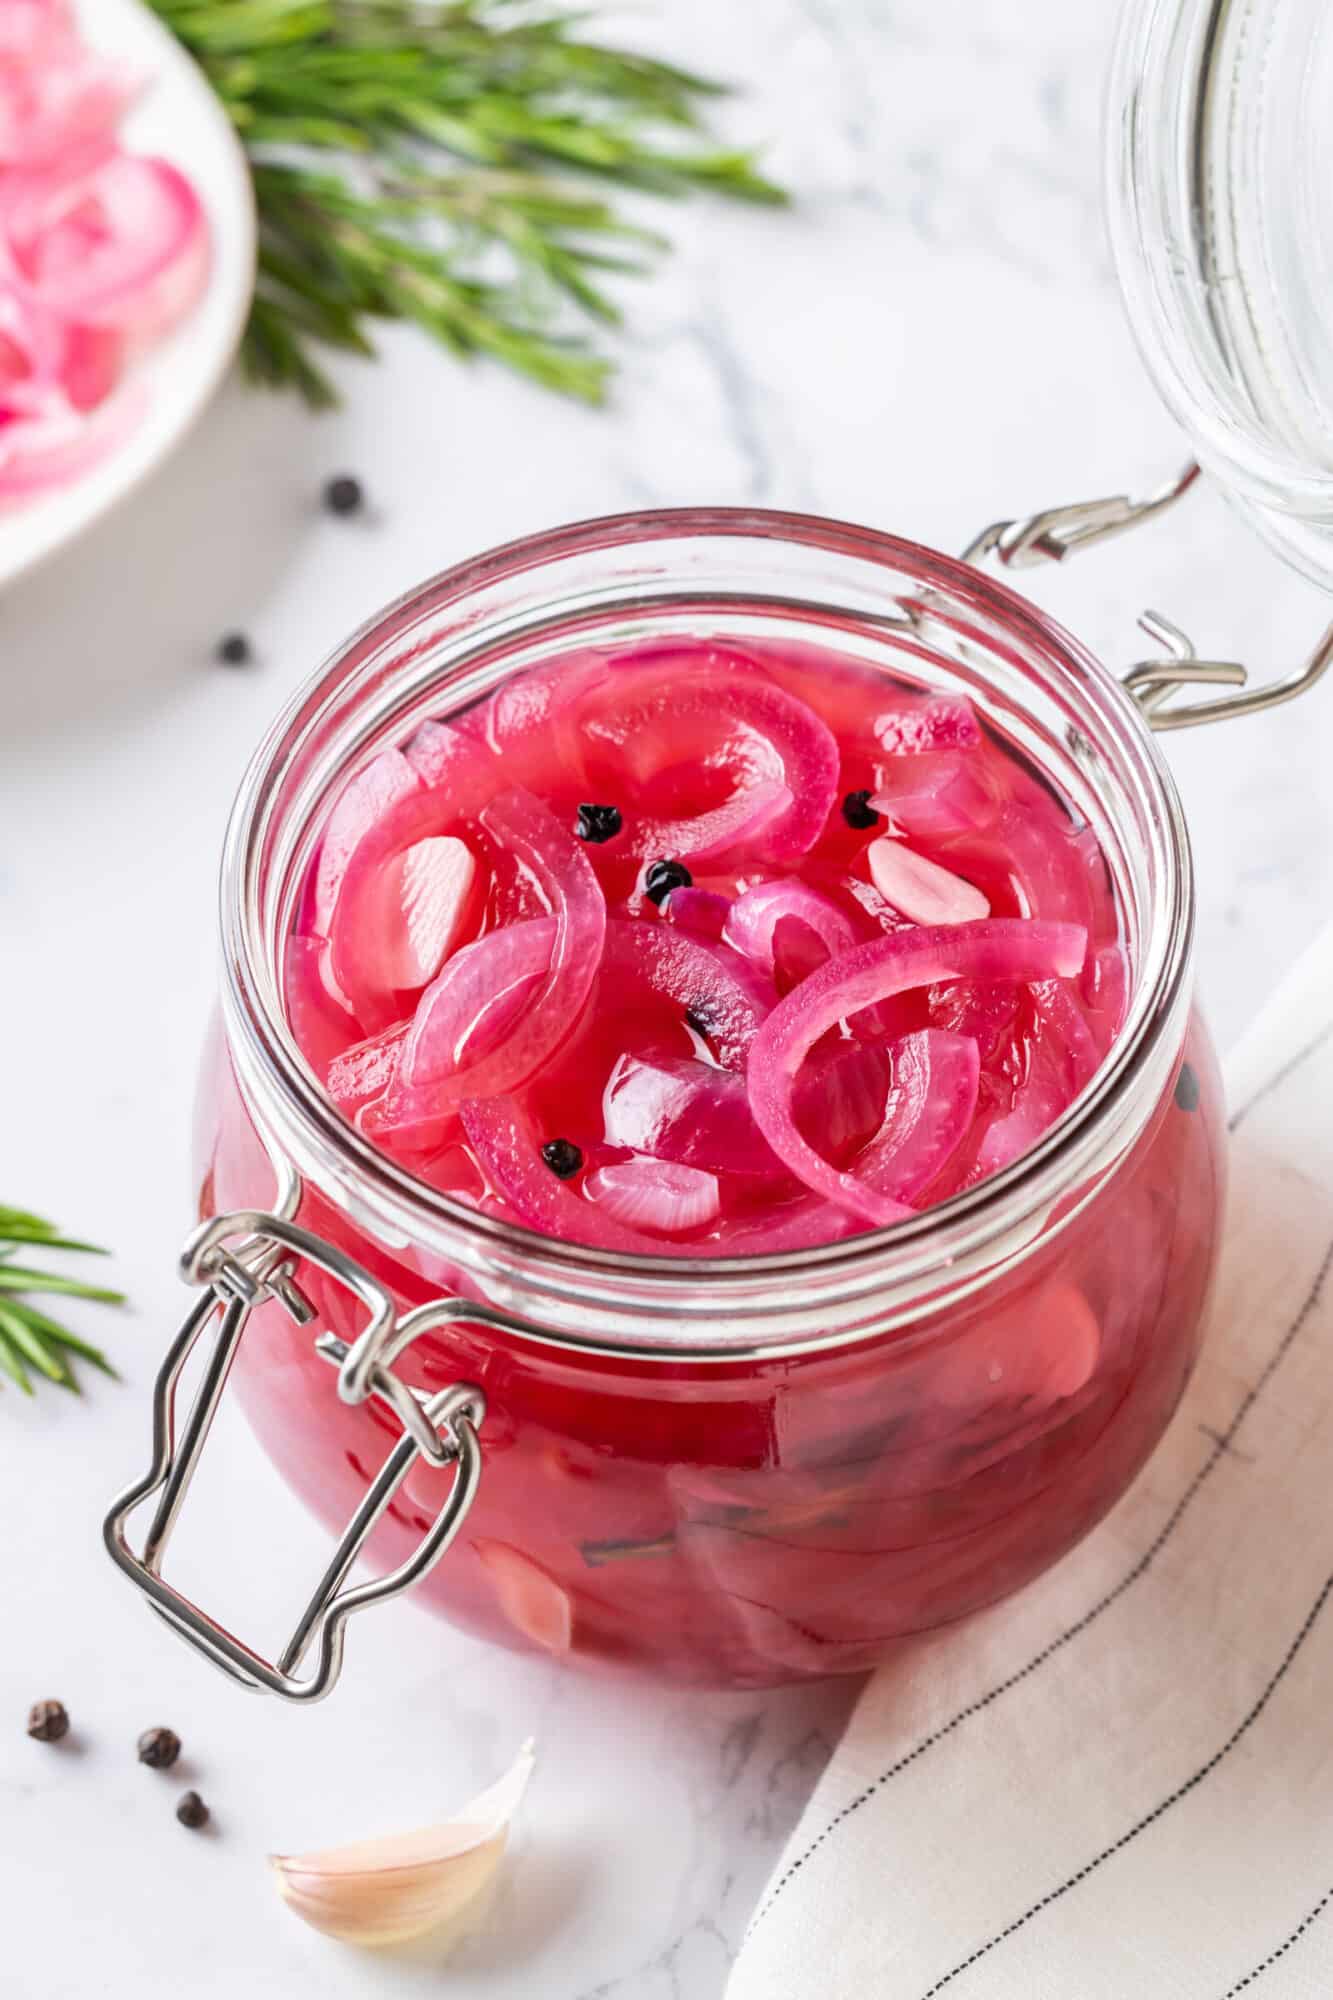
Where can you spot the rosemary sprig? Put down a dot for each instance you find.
(433, 161)
(31, 1339)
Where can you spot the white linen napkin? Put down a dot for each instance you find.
(1120, 1783)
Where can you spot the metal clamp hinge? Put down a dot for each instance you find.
(441, 1428)
(1058, 532)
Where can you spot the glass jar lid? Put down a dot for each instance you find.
(1220, 206)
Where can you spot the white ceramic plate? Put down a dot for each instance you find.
(179, 117)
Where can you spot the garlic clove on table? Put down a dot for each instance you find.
(389, 1890)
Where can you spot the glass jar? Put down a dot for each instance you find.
(1220, 205)
(735, 1472)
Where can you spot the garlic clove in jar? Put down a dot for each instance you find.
(390, 1890)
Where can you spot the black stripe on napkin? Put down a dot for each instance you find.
(1221, 1446)
(1285, 1946)
(1149, 1819)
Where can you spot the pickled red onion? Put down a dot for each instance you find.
(783, 758)
(682, 1110)
(721, 996)
(436, 1075)
(932, 797)
(995, 949)
(931, 1105)
(124, 244)
(476, 1001)
(702, 911)
(939, 722)
(509, 1149)
(320, 1026)
(788, 929)
(365, 1071)
(101, 252)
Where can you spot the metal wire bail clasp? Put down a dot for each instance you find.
(243, 1260)
(1058, 532)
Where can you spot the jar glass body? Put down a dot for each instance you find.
(768, 1469)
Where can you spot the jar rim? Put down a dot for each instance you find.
(955, 1243)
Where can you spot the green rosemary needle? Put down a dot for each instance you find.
(29, 1338)
(436, 161)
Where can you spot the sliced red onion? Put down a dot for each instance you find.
(677, 1108)
(509, 1149)
(982, 1010)
(320, 1027)
(993, 949)
(932, 1103)
(1063, 1016)
(478, 1000)
(1062, 1058)
(360, 807)
(787, 929)
(1105, 988)
(124, 245)
(59, 101)
(682, 1110)
(362, 1073)
(783, 758)
(940, 722)
(388, 808)
(931, 798)
(46, 440)
(657, 1195)
(922, 889)
(706, 982)
(702, 911)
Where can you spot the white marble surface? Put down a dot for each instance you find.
(930, 339)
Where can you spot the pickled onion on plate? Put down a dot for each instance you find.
(993, 949)
(102, 251)
(124, 244)
(714, 987)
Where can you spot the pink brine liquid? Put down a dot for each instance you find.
(683, 950)
(687, 950)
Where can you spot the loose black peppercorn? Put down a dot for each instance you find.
(858, 811)
(598, 823)
(234, 650)
(563, 1157)
(344, 495)
(48, 1721)
(159, 1748)
(1187, 1089)
(664, 876)
(191, 1810)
